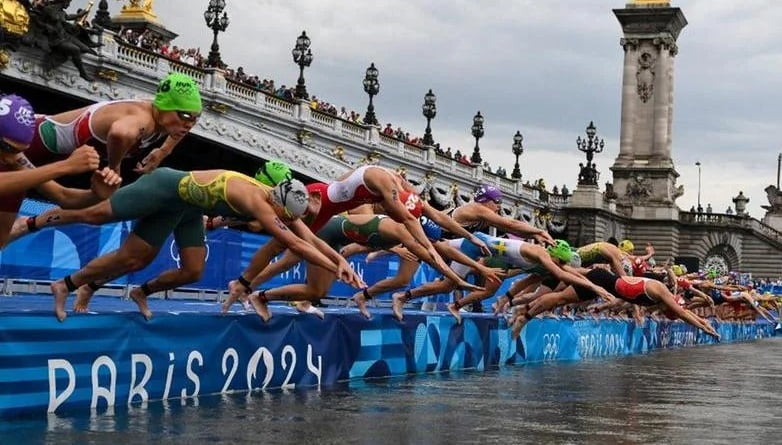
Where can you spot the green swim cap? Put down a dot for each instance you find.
(178, 92)
(273, 172)
(560, 250)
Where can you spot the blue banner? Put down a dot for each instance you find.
(118, 358)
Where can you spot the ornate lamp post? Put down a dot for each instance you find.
(591, 145)
(102, 17)
(217, 23)
(302, 56)
(371, 87)
(518, 149)
(429, 110)
(698, 164)
(477, 132)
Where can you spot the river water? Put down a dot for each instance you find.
(710, 394)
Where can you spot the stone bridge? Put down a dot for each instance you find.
(725, 242)
(318, 145)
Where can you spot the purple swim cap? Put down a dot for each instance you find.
(487, 193)
(17, 119)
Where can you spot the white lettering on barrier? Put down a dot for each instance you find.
(100, 391)
(194, 356)
(54, 399)
(358, 267)
(252, 367)
(138, 387)
(139, 390)
(311, 366)
(169, 375)
(230, 353)
(600, 345)
(297, 272)
(288, 351)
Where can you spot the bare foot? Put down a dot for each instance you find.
(19, 229)
(361, 305)
(307, 308)
(261, 308)
(499, 305)
(518, 325)
(236, 291)
(60, 292)
(83, 297)
(137, 295)
(455, 312)
(398, 305)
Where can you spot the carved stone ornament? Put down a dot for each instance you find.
(639, 188)
(629, 44)
(666, 44)
(303, 159)
(774, 196)
(107, 74)
(219, 108)
(678, 191)
(645, 76)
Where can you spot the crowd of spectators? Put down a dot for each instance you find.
(151, 42)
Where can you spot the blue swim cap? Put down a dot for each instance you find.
(432, 230)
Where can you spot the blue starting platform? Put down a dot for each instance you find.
(115, 357)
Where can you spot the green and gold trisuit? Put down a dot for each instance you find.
(168, 200)
(592, 254)
(340, 231)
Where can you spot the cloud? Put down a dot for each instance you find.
(545, 68)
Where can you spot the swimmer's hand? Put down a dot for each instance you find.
(347, 275)
(105, 182)
(492, 274)
(544, 238)
(485, 251)
(83, 159)
(150, 162)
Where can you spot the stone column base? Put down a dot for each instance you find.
(656, 212)
(773, 220)
(588, 196)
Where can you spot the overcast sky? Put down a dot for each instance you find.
(546, 68)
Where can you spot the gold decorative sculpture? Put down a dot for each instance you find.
(139, 9)
(13, 17)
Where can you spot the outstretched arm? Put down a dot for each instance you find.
(343, 271)
(515, 226)
(104, 183)
(448, 251)
(449, 224)
(657, 289)
(276, 228)
(28, 176)
(156, 156)
(422, 253)
(542, 257)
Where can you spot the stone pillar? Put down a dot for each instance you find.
(627, 134)
(644, 175)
